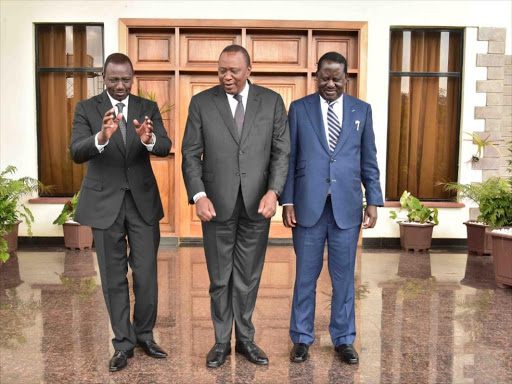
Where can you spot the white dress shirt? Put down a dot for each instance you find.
(232, 104)
(338, 110)
(114, 102)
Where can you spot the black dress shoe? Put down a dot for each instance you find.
(347, 353)
(299, 353)
(120, 360)
(152, 349)
(217, 355)
(252, 352)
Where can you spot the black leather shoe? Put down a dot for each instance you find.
(120, 360)
(299, 353)
(217, 355)
(252, 352)
(347, 353)
(152, 349)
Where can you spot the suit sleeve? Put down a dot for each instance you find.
(369, 168)
(192, 149)
(163, 144)
(288, 191)
(82, 147)
(280, 151)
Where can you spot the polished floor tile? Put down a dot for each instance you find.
(421, 318)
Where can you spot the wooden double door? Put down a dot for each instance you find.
(176, 59)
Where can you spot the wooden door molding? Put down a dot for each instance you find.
(176, 58)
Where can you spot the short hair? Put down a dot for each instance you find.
(238, 48)
(117, 58)
(332, 56)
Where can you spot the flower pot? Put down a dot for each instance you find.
(77, 236)
(479, 238)
(12, 238)
(502, 258)
(416, 237)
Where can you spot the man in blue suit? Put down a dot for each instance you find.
(332, 152)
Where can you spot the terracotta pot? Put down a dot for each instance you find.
(77, 236)
(416, 237)
(12, 238)
(479, 238)
(502, 258)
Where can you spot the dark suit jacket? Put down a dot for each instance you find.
(117, 166)
(217, 162)
(313, 167)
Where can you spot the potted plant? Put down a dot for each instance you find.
(416, 229)
(502, 256)
(76, 236)
(494, 199)
(12, 214)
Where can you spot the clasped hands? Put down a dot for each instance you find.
(111, 123)
(267, 208)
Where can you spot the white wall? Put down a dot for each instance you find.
(18, 141)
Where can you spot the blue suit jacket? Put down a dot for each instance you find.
(313, 167)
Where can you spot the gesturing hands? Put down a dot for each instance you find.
(144, 130)
(109, 126)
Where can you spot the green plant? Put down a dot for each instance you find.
(416, 211)
(152, 96)
(11, 190)
(481, 143)
(494, 199)
(68, 211)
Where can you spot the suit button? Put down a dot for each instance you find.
(327, 180)
(332, 160)
(241, 153)
(238, 174)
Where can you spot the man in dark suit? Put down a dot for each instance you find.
(235, 159)
(119, 199)
(332, 152)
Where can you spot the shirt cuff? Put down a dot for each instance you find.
(284, 205)
(198, 195)
(150, 146)
(100, 147)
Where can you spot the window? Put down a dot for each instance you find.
(69, 61)
(424, 112)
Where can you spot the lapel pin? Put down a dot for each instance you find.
(357, 125)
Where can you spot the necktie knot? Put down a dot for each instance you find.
(238, 97)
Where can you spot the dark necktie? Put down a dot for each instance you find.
(122, 122)
(239, 115)
(334, 127)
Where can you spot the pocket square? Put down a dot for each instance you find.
(357, 125)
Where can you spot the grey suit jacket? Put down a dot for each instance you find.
(216, 161)
(118, 165)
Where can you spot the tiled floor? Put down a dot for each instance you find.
(421, 318)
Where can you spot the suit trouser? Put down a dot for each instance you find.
(235, 253)
(111, 249)
(309, 244)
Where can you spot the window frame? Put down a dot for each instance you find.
(39, 70)
(458, 75)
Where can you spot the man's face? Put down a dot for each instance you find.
(118, 79)
(331, 80)
(233, 72)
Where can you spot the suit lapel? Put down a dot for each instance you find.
(315, 116)
(253, 103)
(103, 106)
(221, 101)
(134, 112)
(346, 126)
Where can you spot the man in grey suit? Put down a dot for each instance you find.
(119, 198)
(235, 160)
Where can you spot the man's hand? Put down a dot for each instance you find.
(144, 130)
(370, 217)
(204, 209)
(289, 219)
(268, 205)
(109, 126)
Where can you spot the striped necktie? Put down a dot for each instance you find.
(122, 122)
(333, 125)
